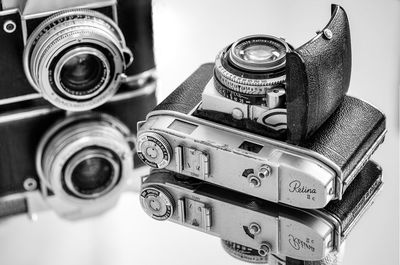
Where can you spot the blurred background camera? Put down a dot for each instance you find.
(72, 150)
(75, 54)
(76, 164)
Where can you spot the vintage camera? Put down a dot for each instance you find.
(253, 229)
(269, 121)
(76, 53)
(76, 164)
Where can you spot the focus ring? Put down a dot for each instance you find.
(250, 99)
(243, 84)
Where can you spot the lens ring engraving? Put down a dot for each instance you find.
(157, 203)
(153, 150)
(75, 29)
(250, 78)
(243, 253)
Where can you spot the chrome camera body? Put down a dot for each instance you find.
(75, 54)
(258, 226)
(264, 149)
(231, 123)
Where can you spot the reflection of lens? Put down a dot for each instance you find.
(82, 73)
(85, 157)
(92, 173)
(76, 59)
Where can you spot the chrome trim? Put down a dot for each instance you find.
(26, 115)
(24, 29)
(6, 101)
(335, 222)
(143, 91)
(93, 5)
(141, 78)
(115, 12)
(8, 12)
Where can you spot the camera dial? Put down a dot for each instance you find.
(86, 157)
(244, 253)
(76, 59)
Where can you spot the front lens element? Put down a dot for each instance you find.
(260, 53)
(82, 73)
(92, 172)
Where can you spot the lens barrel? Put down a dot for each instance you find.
(76, 59)
(250, 68)
(86, 157)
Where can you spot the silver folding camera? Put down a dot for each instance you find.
(266, 121)
(75, 54)
(264, 149)
(258, 226)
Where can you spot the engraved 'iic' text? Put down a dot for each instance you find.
(298, 244)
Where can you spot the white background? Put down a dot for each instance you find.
(187, 34)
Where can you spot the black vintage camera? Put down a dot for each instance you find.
(74, 163)
(75, 54)
(267, 128)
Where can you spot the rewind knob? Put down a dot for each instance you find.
(153, 150)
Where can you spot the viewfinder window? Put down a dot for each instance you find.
(251, 147)
(181, 126)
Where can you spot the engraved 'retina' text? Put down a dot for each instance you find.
(297, 187)
(298, 244)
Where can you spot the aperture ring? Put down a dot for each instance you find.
(250, 99)
(242, 84)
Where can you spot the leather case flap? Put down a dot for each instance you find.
(318, 77)
(349, 136)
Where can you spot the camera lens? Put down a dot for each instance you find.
(85, 157)
(258, 53)
(76, 59)
(92, 173)
(252, 69)
(83, 74)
